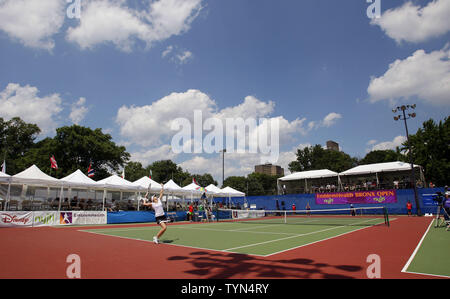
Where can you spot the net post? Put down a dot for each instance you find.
(285, 217)
(386, 216)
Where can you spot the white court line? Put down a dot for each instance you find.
(222, 250)
(295, 236)
(177, 245)
(411, 258)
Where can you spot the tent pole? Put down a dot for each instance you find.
(104, 199)
(8, 195)
(61, 194)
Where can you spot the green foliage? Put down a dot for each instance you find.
(16, 139)
(316, 157)
(430, 148)
(202, 180)
(134, 171)
(254, 184)
(166, 170)
(382, 156)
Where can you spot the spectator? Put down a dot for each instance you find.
(396, 183)
(431, 185)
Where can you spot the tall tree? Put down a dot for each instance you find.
(16, 139)
(201, 179)
(316, 157)
(381, 156)
(134, 171)
(166, 170)
(430, 148)
(74, 148)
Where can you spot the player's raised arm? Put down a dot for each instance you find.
(161, 193)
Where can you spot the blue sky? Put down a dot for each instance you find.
(300, 61)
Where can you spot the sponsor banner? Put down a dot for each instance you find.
(357, 197)
(12, 219)
(243, 214)
(45, 218)
(82, 217)
(428, 200)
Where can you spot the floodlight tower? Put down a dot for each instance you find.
(404, 117)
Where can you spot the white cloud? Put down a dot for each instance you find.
(151, 124)
(387, 145)
(328, 121)
(425, 75)
(111, 21)
(167, 51)
(33, 23)
(184, 57)
(331, 119)
(236, 164)
(78, 111)
(23, 102)
(412, 23)
(147, 157)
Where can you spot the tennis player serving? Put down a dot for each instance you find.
(156, 204)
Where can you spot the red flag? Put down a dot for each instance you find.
(53, 163)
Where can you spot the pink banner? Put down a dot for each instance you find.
(357, 197)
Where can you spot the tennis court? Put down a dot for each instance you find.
(272, 246)
(265, 234)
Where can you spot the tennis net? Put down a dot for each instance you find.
(360, 216)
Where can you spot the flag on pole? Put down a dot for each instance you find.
(91, 171)
(4, 166)
(123, 173)
(53, 163)
(150, 176)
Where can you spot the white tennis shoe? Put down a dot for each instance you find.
(155, 240)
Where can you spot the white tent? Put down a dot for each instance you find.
(115, 182)
(378, 167)
(145, 181)
(230, 192)
(34, 176)
(214, 190)
(192, 189)
(80, 180)
(6, 178)
(310, 174)
(173, 188)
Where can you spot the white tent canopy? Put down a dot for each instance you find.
(193, 188)
(378, 167)
(4, 176)
(214, 190)
(145, 181)
(116, 182)
(79, 179)
(173, 188)
(310, 174)
(34, 176)
(232, 192)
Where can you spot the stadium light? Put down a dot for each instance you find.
(413, 176)
(223, 165)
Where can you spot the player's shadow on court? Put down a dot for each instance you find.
(212, 265)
